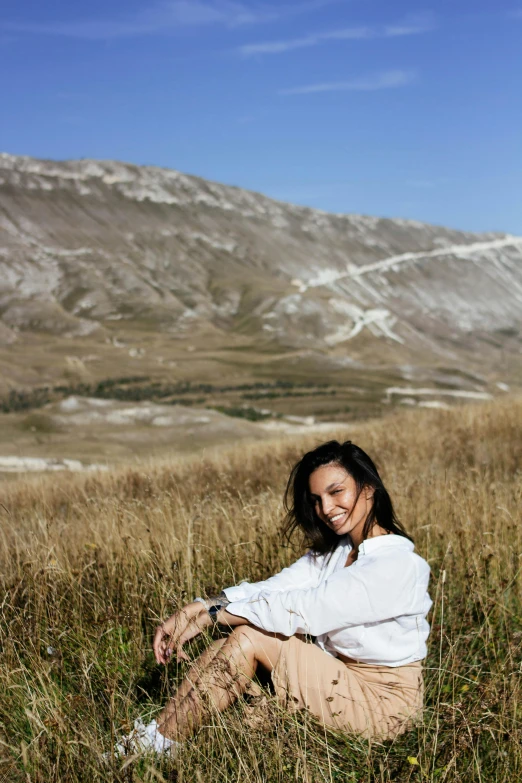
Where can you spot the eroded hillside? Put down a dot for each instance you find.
(139, 283)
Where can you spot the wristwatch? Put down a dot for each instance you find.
(213, 612)
(214, 604)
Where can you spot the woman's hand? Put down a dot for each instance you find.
(182, 626)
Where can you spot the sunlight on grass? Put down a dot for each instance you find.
(89, 565)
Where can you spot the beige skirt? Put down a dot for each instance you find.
(374, 701)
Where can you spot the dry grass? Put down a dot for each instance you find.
(89, 564)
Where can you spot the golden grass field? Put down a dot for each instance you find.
(90, 563)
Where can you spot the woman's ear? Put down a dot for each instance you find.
(369, 492)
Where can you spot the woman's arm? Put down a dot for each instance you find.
(192, 619)
(351, 596)
(303, 573)
(184, 625)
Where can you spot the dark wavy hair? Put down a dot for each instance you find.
(300, 508)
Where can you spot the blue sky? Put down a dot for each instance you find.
(377, 107)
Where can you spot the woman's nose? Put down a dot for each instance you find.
(327, 506)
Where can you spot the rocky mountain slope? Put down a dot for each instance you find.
(117, 267)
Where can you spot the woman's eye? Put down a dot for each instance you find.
(336, 491)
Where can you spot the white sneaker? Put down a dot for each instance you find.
(144, 738)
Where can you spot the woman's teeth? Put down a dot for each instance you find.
(337, 517)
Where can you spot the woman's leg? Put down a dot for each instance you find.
(218, 677)
(190, 680)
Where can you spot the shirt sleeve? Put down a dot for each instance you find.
(363, 593)
(303, 573)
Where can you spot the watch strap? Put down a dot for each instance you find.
(213, 611)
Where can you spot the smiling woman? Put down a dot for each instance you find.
(338, 485)
(360, 591)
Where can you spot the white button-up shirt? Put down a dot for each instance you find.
(373, 610)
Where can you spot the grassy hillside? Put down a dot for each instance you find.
(89, 564)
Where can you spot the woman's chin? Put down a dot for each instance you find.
(342, 530)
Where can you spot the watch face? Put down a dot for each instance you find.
(213, 610)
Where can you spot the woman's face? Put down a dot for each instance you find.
(334, 494)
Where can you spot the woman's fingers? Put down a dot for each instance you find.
(162, 644)
(156, 644)
(171, 635)
(167, 631)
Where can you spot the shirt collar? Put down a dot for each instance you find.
(378, 542)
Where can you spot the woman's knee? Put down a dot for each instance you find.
(264, 647)
(245, 636)
(250, 641)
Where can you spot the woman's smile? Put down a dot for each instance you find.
(337, 518)
(338, 502)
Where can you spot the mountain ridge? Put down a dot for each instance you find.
(103, 253)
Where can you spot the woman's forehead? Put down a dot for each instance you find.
(328, 475)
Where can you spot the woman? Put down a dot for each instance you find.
(360, 590)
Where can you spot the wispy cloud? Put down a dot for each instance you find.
(409, 26)
(276, 47)
(384, 80)
(167, 16)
